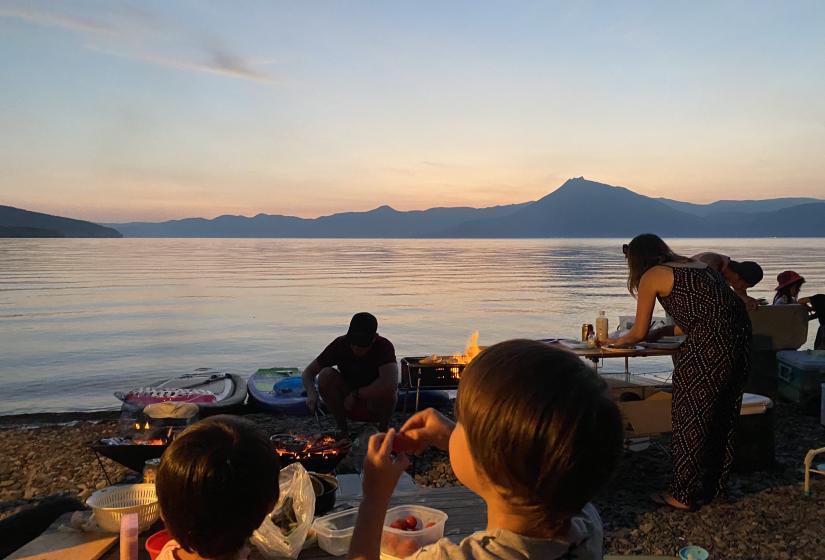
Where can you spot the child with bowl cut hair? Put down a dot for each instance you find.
(536, 436)
(216, 483)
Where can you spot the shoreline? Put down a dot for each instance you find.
(56, 418)
(764, 516)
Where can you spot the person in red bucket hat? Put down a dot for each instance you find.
(789, 283)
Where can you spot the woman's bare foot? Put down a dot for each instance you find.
(665, 499)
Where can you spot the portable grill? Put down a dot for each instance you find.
(319, 453)
(145, 433)
(129, 454)
(443, 374)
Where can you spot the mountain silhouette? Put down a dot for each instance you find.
(582, 208)
(383, 221)
(578, 208)
(736, 206)
(15, 222)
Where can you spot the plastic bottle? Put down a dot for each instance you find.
(601, 327)
(129, 537)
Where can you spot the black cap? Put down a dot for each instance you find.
(362, 329)
(748, 271)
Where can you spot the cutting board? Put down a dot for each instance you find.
(55, 544)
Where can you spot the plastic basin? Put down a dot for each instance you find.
(156, 542)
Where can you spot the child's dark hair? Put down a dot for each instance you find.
(541, 426)
(216, 483)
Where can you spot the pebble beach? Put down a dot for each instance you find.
(764, 516)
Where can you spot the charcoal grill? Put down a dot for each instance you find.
(130, 455)
(444, 374)
(316, 453)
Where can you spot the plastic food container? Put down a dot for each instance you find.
(398, 543)
(335, 531)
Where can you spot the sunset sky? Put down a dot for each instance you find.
(121, 111)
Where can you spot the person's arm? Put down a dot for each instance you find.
(668, 330)
(714, 260)
(308, 377)
(379, 476)
(750, 303)
(387, 382)
(645, 302)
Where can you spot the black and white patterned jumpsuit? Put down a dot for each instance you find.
(711, 369)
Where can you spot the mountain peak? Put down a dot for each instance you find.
(580, 187)
(384, 208)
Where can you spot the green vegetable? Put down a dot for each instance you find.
(285, 518)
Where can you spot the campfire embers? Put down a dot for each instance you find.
(319, 453)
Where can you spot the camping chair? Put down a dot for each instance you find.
(809, 468)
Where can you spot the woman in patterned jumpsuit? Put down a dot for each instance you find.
(711, 367)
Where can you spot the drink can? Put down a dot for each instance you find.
(150, 470)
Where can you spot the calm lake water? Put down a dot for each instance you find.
(81, 318)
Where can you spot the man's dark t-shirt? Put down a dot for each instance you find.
(357, 371)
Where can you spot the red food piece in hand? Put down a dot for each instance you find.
(412, 522)
(402, 444)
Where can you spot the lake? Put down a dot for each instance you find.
(81, 318)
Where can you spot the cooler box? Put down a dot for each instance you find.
(754, 444)
(800, 375)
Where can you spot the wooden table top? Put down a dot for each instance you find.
(637, 351)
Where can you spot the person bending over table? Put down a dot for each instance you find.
(357, 375)
(740, 276)
(711, 366)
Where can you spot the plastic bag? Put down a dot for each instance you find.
(296, 487)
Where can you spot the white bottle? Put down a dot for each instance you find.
(601, 327)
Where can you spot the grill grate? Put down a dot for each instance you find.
(415, 375)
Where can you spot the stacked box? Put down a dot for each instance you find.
(800, 375)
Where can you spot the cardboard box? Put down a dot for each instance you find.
(647, 417)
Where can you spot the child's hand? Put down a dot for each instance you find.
(427, 428)
(381, 470)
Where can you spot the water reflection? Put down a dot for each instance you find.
(81, 318)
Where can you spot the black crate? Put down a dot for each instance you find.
(415, 375)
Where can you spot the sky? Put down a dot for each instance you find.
(123, 111)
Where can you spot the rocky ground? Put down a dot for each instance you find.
(765, 515)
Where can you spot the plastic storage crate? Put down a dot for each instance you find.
(800, 375)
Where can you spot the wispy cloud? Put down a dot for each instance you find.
(56, 20)
(123, 34)
(233, 67)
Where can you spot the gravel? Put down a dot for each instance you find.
(764, 516)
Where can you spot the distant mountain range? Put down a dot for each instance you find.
(15, 222)
(579, 208)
